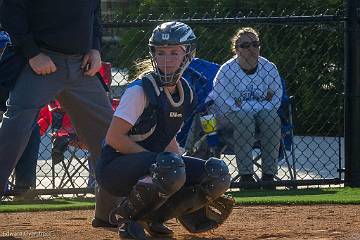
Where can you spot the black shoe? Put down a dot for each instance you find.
(128, 229)
(268, 178)
(159, 230)
(96, 223)
(249, 179)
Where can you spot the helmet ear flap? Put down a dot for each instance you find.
(189, 56)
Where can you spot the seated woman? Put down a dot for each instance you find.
(247, 93)
(141, 161)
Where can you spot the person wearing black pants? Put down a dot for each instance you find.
(141, 161)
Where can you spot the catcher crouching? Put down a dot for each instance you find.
(141, 161)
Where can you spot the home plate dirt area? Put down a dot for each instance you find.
(321, 222)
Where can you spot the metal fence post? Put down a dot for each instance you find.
(352, 93)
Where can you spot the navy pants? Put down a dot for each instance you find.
(117, 173)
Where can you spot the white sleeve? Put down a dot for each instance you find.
(132, 104)
(220, 93)
(276, 87)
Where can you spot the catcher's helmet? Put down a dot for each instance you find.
(172, 34)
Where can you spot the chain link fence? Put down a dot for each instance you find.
(307, 50)
(308, 53)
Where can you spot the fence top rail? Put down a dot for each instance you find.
(316, 19)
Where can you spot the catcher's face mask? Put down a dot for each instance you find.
(168, 60)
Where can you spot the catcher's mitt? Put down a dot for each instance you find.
(208, 217)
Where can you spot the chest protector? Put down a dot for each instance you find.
(163, 116)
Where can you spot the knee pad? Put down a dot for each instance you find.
(168, 173)
(217, 179)
(189, 199)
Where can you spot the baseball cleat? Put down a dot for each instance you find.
(159, 230)
(128, 229)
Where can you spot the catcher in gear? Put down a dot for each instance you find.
(141, 160)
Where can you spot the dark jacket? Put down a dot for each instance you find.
(65, 26)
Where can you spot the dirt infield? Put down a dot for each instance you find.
(323, 222)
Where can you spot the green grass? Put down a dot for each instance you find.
(301, 196)
(48, 205)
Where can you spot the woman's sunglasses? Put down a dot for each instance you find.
(245, 45)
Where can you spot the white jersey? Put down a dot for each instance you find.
(234, 89)
(132, 104)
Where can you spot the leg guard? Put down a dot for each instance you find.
(105, 202)
(217, 181)
(167, 176)
(189, 199)
(209, 217)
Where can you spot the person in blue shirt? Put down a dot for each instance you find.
(141, 160)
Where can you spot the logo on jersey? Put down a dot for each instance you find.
(175, 115)
(165, 36)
